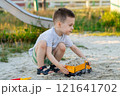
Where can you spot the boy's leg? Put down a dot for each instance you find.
(40, 50)
(59, 51)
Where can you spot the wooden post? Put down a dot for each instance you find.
(93, 3)
(100, 3)
(26, 3)
(43, 4)
(36, 5)
(87, 3)
(61, 4)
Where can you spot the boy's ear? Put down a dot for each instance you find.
(59, 24)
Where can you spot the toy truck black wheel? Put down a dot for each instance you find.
(79, 73)
(83, 71)
(70, 74)
(89, 70)
(67, 75)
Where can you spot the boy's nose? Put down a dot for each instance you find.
(72, 27)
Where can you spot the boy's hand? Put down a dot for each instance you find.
(89, 63)
(63, 69)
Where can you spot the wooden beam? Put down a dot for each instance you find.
(43, 4)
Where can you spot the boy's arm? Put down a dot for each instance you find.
(55, 62)
(77, 51)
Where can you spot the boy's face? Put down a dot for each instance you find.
(66, 27)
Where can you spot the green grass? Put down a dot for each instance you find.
(4, 59)
(3, 56)
(63, 59)
(81, 46)
(8, 48)
(91, 20)
(104, 34)
(20, 47)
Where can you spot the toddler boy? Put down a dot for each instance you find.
(52, 43)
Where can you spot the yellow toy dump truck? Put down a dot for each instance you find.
(79, 69)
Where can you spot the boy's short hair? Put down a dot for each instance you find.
(61, 14)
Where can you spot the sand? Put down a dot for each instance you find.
(103, 52)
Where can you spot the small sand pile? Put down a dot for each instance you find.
(75, 62)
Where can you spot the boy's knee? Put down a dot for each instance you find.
(62, 47)
(42, 44)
